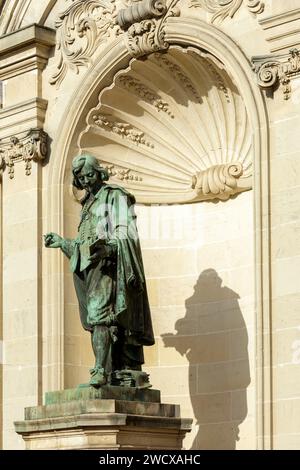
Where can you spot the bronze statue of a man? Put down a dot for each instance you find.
(109, 279)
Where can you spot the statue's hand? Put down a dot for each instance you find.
(52, 240)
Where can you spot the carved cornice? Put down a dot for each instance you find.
(218, 180)
(282, 30)
(222, 9)
(145, 24)
(81, 28)
(32, 146)
(25, 50)
(275, 70)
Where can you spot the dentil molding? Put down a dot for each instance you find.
(274, 70)
(26, 148)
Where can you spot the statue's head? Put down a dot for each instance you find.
(87, 171)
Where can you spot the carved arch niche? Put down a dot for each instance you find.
(173, 128)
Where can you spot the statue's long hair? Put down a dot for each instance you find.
(79, 162)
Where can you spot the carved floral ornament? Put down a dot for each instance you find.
(222, 9)
(80, 30)
(86, 24)
(30, 147)
(182, 136)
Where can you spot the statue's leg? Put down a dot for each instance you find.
(81, 292)
(126, 356)
(100, 305)
(101, 341)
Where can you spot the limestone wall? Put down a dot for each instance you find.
(201, 288)
(223, 281)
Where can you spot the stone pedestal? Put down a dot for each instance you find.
(113, 418)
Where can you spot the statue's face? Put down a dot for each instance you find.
(89, 178)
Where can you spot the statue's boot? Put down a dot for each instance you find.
(98, 377)
(101, 340)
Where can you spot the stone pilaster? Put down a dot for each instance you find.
(24, 54)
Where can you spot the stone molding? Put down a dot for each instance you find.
(23, 56)
(105, 418)
(25, 50)
(26, 148)
(273, 71)
(282, 30)
(31, 114)
(12, 14)
(222, 9)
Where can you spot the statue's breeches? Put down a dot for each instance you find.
(95, 289)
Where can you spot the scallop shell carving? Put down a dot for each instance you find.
(178, 124)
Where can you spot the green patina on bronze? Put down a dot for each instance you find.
(109, 279)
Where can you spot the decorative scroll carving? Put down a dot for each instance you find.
(80, 30)
(142, 10)
(255, 6)
(218, 180)
(145, 24)
(123, 129)
(144, 38)
(31, 147)
(222, 9)
(145, 93)
(273, 70)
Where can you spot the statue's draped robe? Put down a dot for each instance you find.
(114, 286)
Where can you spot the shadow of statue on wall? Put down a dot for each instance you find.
(213, 337)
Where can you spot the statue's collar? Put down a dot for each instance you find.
(91, 196)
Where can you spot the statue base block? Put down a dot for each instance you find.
(108, 418)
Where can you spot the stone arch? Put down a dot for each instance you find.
(16, 14)
(115, 57)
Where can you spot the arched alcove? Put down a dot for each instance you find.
(108, 117)
(173, 128)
